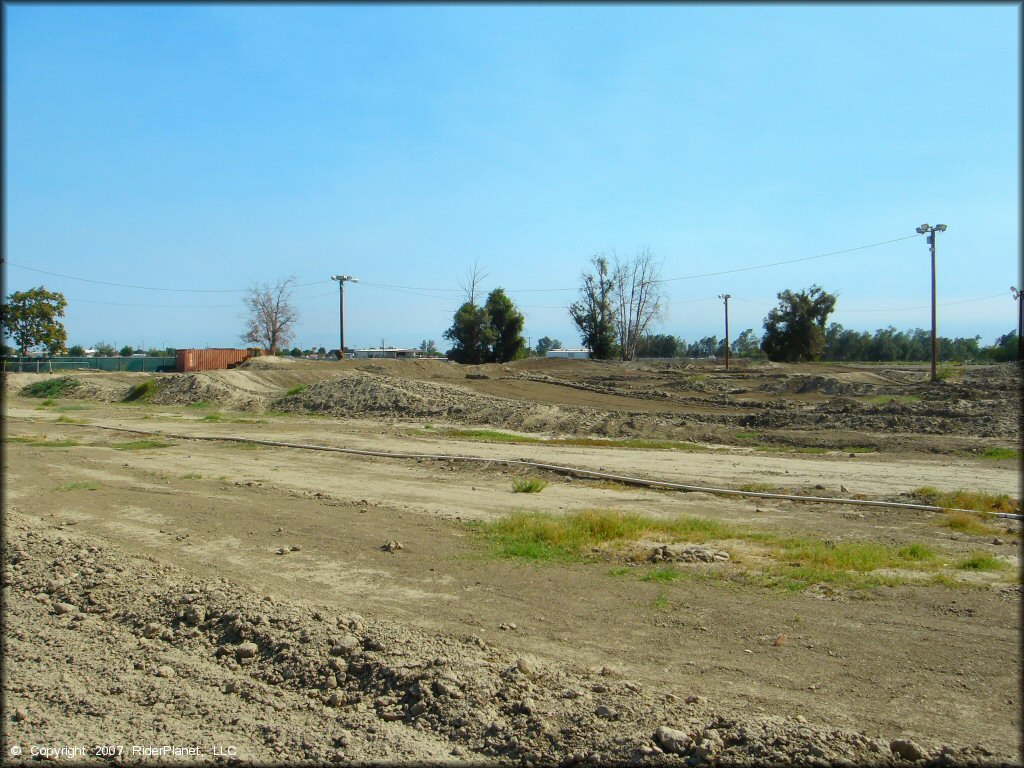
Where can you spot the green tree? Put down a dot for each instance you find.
(76, 351)
(594, 312)
(321, 350)
(506, 327)
(296, 352)
(795, 330)
(127, 351)
(747, 344)
(429, 348)
(472, 335)
(104, 349)
(32, 319)
(658, 345)
(1005, 349)
(546, 343)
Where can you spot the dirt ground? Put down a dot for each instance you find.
(241, 601)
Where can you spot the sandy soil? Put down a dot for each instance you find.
(437, 651)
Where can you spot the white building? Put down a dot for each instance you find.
(392, 352)
(575, 354)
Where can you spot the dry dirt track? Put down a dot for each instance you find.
(931, 663)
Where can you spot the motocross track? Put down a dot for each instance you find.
(210, 594)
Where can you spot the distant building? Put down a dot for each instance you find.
(575, 354)
(388, 352)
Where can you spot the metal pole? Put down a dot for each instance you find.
(341, 320)
(725, 297)
(935, 340)
(1019, 297)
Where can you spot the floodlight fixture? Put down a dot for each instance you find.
(940, 227)
(923, 229)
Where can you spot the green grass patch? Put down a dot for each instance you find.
(199, 404)
(69, 420)
(972, 500)
(982, 561)
(791, 449)
(884, 399)
(63, 408)
(50, 388)
(140, 392)
(661, 602)
(620, 570)
(140, 445)
(997, 454)
(663, 575)
(528, 485)
(296, 390)
(859, 449)
(759, 487)
(212, 418)
(41, 442)
(748, 435)
(47, 402)
(192, 476)
(967, 522)
(80, 486)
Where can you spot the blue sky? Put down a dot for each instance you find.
(209, 147)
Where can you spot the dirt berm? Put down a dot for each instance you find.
(103, 648)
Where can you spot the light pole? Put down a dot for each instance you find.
(342, 279)
(725, 297)
(931, 231)
(1019, 295)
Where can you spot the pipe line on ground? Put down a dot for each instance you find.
(559, 469)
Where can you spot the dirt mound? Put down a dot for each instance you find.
(138, 653)
(268, 363)
(192, 388)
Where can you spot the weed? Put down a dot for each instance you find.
(199, 404)
(791, 449)
(973, 500)
(81, 486)
(528, 485)
(748, 435)
(859, 449)
(50, 388)
(140, 392)
(663, 575)
(140, 445)
(661, 602)
(42, 442)
(759, 487)
(48, 402)
(68, 420)
(296, 390)
(982, 561)
(586, 442)
(213, 418)
(72, 407)
(619, 571)
(967, 522)
(192, 476)
(995, 454)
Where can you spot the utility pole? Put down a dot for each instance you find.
(1018, 295)
(725, 297)
(926, 229)
(342, 279)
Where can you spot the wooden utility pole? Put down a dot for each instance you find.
(342, 279)
(1019, 296)
(725, 297)
(931, 231)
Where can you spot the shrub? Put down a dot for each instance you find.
(528, 485)
(141, 391)
(50, 388)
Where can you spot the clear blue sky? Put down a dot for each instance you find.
(214, 146)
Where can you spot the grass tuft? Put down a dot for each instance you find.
(973, 500)
(41, 442)
(982, 561)
(528, 485)
(80, 486)
(140, 392)
(995, 454)
(296, 390)
(50, 388)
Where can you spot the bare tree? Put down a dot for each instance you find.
(639, 298)
(471, 283)
(271, 316)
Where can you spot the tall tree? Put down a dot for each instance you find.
(639, 299)
(32, 319)
(546, 343)
(594, 312)
(271, 315)
(746, 344)
(507, 327)
(428, 348)
(472, 334)
(795, 330)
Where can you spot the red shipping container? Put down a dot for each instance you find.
(211, 359)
